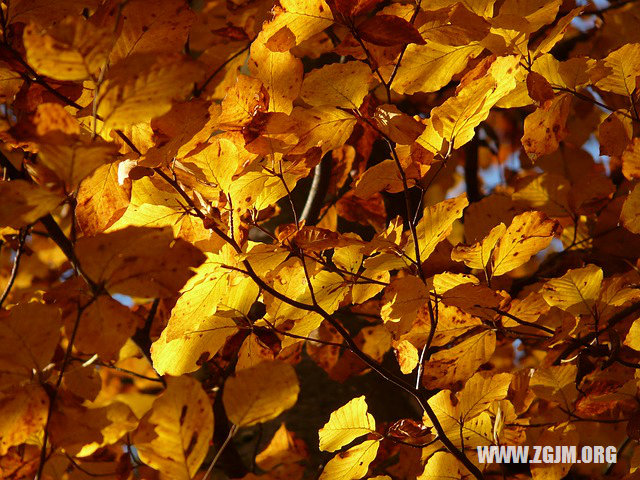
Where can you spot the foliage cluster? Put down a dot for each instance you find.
(201, 200)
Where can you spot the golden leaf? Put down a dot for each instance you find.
(24, 203)
(143, 262)
(293, 22)
(346, 424)
(337, 85)
(352, 464)
(528, 233)
(450, 367)
(456, 119)
(546, 127)
(174, 435)
(623, 67)
(285, 447)
(258, 394)
(280, 73)
(101, 199)
(435, 225)
(576, 291)
(427, 68)
(29, 334)
(72, 50)
(129, 96)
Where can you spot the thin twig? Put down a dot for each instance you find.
(232, 432)
(16, 264)
(199, 90)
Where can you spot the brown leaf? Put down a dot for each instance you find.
(389, 30)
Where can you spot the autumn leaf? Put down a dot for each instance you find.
(25, 203)
(576, 291)
(72, 50)
(435, 225)
(174, 435)
(128, 97)
(204, 202)
(346, 424)
(546, 127)
(353, 463)
(528, 233)
(388, 30)
(258, 394)
(123, 264)
(327, 86)
(293, 22)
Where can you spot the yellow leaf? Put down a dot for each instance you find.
(352, 464)
(174, 436)
(258, 394)
(407, 356)
(211, 290)
(546, 127)
(442, 466)
(142, 262)
(155, 204)
(556, 384)
(456, 119)
(528, 233)
(293, 22)
(121, 420)
(572, 74)
(402, 299)
(24, 203)
(337, 85)
(104, 327)
(280, 73)
(324, 127)
(346, 424)
(478, 254)
(547, 192)
(283, 448)
(382, 176)
(633, 337)
(480, 391)
(75, 159)
(253, 352)
(448, 368)
(476, 429)
(329, 290)
(10, 83)
(187, 351)
(218, 161)
(614, 134)
(630, 215)
(23, 413)
(74, 49)
(576, 291)
(436, 225)
(101, 200)
(164, 32)
(29, 334)
(131, 96)
(428, 68)
(259, 189)
(623, 66)
(557, 32)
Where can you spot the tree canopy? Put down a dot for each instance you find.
(333, 239)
